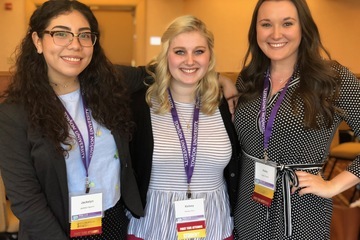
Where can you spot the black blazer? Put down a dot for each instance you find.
(142, 144)
(36, 181)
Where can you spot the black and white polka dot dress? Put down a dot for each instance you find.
(290, 143)
(114, 225)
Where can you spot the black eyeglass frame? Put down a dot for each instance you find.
(51, 33)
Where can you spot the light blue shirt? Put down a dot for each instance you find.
(104, 168)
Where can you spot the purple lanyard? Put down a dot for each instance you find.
(189, 158)
(86, 158)
(267, 126)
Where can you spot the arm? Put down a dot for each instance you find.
(28, 200)
(315, 184)
(349, 101)
(230, 92)
(133, 77)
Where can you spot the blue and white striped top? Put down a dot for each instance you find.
(168, 181)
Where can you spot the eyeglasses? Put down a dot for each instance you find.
(65, 38)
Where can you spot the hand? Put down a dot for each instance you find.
(230, 92)
(232, 102)
(355, 204)
(315, 184)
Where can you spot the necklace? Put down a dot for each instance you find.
(62, 85)
(281, 80)
(186, 121)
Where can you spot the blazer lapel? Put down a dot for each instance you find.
(129, 189)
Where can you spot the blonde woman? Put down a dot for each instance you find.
(184, 149)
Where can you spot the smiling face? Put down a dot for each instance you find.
(278, 31)
(188, 59)
(65, 63)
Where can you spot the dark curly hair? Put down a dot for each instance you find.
(100, 83)
(319, 83)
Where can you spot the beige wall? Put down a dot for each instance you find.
(118, 45)
(229, 20)
(12, 29)
(337, 20)
(158, 14)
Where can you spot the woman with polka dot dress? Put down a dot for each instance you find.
(292, 99)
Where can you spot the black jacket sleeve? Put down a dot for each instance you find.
(134, 78)
(22, 172)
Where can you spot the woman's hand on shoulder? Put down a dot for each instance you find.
(230, 92)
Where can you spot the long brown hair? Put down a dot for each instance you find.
(319, 82)
(100, 83)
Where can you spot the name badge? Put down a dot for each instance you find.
(265, 182)
(190, 218)
(86, 212)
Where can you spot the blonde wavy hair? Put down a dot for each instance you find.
(208, 87)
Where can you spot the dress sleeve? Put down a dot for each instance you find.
(23, 189)
(349, 102)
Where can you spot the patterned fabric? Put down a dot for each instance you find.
(132, 237)
(290, 143)
(114, 225)
(168, 179)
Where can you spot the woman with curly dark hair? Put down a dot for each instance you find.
(64, 131)
(292, 99)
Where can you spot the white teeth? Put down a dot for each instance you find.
(277, 44)
(189, 70)
(72, 59)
